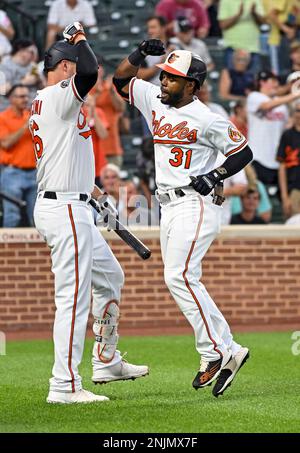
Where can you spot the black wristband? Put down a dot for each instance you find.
(136, 58)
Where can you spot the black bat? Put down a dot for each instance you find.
(126, 235)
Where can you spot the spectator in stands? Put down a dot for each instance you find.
(194, 10)
(65, 12)
(240, 21)
(295, 56)
(239, 117)
(156, 29)
(248, 216)
(20, 68)
(7, 33)
(267, 117)
(113, 107)
(235, 82)
(18, 173)
(111, 181)
(264, 209)
(278, 12)
(204, 94)
(288, 156)
(235, 186)
(135, 209)
(184, 39)
(99, 126)
(212, 7)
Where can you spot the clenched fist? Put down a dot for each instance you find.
(152, 47)
(73, 30)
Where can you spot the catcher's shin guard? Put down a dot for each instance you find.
(105, 329)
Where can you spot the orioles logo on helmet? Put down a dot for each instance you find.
(234, 134)
(172, 58)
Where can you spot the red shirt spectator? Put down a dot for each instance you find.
(194, 10)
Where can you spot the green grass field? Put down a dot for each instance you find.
(265, 397)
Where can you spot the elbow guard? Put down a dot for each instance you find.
(120, 84)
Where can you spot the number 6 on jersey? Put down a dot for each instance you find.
(37, 141)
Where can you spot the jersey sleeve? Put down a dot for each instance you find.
(225, 137)
(141, 94)
(67, 102)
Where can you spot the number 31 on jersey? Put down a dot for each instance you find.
(181, 157)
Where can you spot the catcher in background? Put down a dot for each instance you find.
(187, 137)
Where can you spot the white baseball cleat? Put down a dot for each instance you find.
(229, 371)
(121, 371)
(81, 396)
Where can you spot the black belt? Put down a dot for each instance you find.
(179, 192)
(53, 196)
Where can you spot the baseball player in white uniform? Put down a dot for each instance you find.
(187, 138)
(81, 259)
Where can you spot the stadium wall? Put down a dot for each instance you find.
(253, 274)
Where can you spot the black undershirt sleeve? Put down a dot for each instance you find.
(236, 162)
(86, 69)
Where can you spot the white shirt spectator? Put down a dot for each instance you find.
(294, 220)
(5, 46)
(61, 14)
(196, 46)
(217, 108)
(265, 129)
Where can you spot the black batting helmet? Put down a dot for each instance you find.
(185, 64)
(60, 50)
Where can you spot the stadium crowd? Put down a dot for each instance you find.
(256, 86)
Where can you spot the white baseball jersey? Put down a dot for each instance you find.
(62, 140)
(186, 139)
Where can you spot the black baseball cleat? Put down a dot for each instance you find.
(209, 371)
(229, 371)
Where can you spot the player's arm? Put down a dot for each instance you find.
(129, 67)
(87, 65)
(232, 165)
(224, 137)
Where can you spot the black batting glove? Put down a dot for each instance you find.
(152, 47)
(148, 47)
(204, 184)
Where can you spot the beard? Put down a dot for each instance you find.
(172, 99)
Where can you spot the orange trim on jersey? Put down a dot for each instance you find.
(75, 298)
(170, 70)
(187, 282)
(171, 142)
(75, 90)
(131, 91)
(236, 149)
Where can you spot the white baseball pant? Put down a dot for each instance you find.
(188, 226)
(80, 259)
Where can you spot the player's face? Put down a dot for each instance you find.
(172, 89)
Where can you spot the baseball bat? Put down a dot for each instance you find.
(126, 235)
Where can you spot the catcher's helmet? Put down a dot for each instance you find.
(185, 64)
(60, 50)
